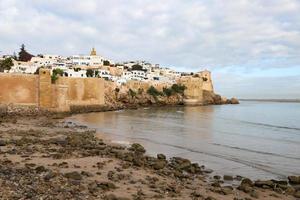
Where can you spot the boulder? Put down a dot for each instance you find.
(161, 157)
(159, 164)
(264, 184)
(106, 186)
(138, 148)
(294, 179)
(73, 175)
(247, 181)
(246, 185)
(297, 194)
(180, 163)
(234, 101)
(290, 190)
(226, 190)
(227, 178)
(40, 169)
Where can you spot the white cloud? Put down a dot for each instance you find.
(188, 35)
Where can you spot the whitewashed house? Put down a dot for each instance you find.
(75, 73)
(23, 67)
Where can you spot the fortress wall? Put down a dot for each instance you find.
(136, 85)
(207, 82)
(19, 89)
(194, 90)
(83, 91)
(38, 91)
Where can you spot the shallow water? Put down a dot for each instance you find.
(260, 140)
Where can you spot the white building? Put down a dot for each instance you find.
(138, 75)
(23, 67)
(88, 60)
(104, 74)
(75, 73)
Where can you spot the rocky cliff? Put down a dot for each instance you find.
(210, 98)
(124, 97)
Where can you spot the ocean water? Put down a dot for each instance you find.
(260, 140)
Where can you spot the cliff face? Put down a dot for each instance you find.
(124, 98)
(210, 98)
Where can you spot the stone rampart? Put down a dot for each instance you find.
(37, 92)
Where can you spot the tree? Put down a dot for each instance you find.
(137, 67)
(55, 73)
(89, 73)
(106, 63)
(24, 55)
(6, 64)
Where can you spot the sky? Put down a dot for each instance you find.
(252, 47)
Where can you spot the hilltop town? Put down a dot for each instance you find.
(93, 65)
(93, 82)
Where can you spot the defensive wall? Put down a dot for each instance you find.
(39, 92)
(82, 94)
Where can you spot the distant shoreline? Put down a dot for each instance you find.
(274, 100)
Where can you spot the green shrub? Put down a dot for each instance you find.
(132, 93)
(154, 92)
(178, 88)
(55, 73)
(168, 91)
(89, 73)
(106, 63)
(6, 64)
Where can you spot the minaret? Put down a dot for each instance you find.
(93, 52)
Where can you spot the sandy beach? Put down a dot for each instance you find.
(46, 158)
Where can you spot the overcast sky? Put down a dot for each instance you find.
(252, 47)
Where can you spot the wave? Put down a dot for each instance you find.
(271, 125)
(255, 151)
(262, 124)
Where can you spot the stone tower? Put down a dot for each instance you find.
(193, 94)
(45, 88)
(207, 81)
(93, 52)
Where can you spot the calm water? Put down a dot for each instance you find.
(253, 139)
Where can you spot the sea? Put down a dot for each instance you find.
(259, 140)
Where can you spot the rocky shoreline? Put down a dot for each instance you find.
(47, 158)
